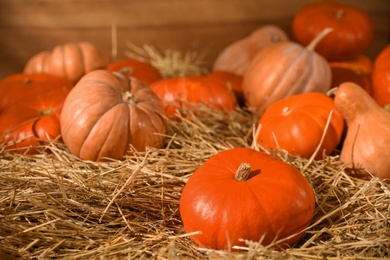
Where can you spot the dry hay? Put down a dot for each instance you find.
(56, 206)
(169, 63)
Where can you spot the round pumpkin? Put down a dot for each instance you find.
(353, 29)
(31, 110)
(381, 78)
(237, 56)
(242, 193)
(107, 112)
(22, 87)
(70, 60)
(297, 124)
(141, 70)
(190, 92)
(284, 69)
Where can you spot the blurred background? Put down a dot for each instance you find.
(29, 27)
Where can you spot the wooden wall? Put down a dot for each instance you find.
(30, 26)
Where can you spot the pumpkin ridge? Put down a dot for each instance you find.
(86, 111)
(63, 61)
(83, 58)
(112, 130)
(301, 83)
(136, 111)
(281, 79)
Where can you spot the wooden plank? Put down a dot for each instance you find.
(27, 27)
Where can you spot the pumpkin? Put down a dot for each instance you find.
(353, 29)
(70, 60)
(361, 64)
(242, 193)
(31, 111)
(237, 56)
(231, 80)
(297, 124)
(141, 70)
(381, 78)
(366, 145)
(20, 87)
(107, 112)
(284, 69)
(343, 74)
(191, 92)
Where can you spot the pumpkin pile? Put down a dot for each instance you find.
(287, 105)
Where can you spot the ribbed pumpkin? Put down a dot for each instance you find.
(237, 56)
(70, 60)
(106, 112)
(284, 69)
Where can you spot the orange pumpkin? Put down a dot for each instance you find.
(366, 145)
(70, 60)
(189, 92)
(141, 70)
(22, 87)
(237, 56)
(353, 29)
(107, 112)
(297, 124)
(242, 193)
(284, 69)
(341, 75)
(232, 81)
(30, 109)
(361, 64)
(381, 78)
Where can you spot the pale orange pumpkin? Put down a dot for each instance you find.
(284, 69)
(237, 56)
(70, 60)
(107, 112)
(367, 142)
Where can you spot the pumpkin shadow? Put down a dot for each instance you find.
(254, 173)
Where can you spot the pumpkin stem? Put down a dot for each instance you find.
(27, 81)
(286, 111)
(126, 70)
(46, 112)
(275, 38)
(312, 45)
(332, 91)
(243, 171)
(340, 13)
(129, 97)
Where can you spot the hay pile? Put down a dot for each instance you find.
(54, 205)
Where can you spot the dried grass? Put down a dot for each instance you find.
(56, 206)
(170, 63)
